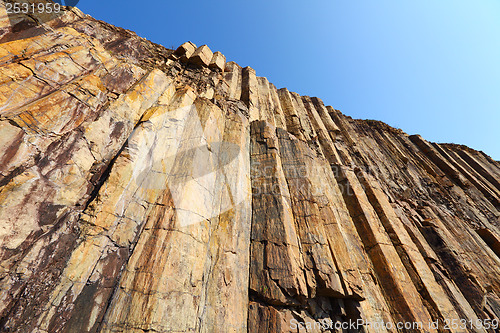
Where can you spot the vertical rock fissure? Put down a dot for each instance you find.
(468, 288)
(415, 265)
(388, 266)
(490, 239)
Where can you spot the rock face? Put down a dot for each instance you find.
(149, 190)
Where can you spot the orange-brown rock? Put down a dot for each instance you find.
(144, 189)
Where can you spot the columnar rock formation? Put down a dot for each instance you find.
(149, 190)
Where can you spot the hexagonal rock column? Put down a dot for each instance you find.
(185, 51)
(218, 61)
(201, 56)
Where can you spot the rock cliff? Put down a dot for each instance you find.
(144, 189)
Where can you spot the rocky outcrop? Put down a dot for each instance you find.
(147, 189)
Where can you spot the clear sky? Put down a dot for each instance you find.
(430, 67)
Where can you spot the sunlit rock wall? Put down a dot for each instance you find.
(149, 190)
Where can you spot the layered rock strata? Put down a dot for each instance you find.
(144, 189)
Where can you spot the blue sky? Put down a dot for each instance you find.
(428, 67)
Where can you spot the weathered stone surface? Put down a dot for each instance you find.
(232, 75)
(218, 61)
(185, 51)
(202, 56)
(327, 147)
(266, 103)
(250, 92)
(141, 193)
(276, 267)
(293, 123)
(279, 115)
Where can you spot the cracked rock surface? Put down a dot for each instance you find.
(144, 189)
